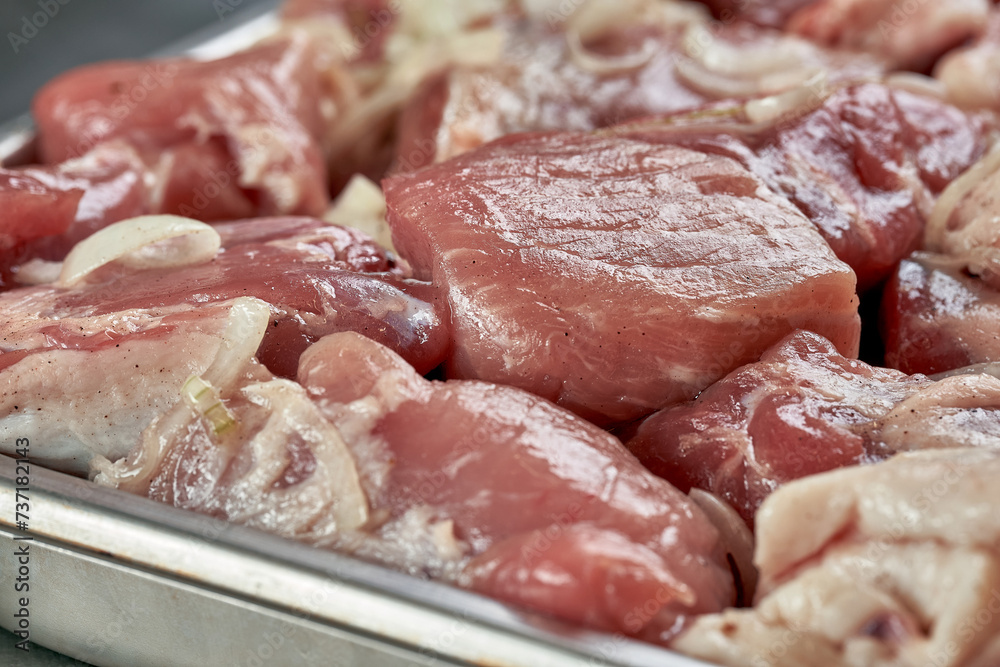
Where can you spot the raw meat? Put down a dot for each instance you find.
(886, 565)
(940, 310)
(479, 485)
(149, 329)
(226, 138)
(936, 317)
(547, 81)
(910, 35)
(317, 278)
(864, 162)
(47, 210)
(614, 276)
(804, 409)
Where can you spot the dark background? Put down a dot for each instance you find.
(82, 31)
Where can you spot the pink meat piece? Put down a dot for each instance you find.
(614, 276)
(317, 278)
(47, 210)
(554, 514)
(225, 137)
(865, 163)
(910, 35)
(804, 409)
(369, 22)
(936, 317)
(541, 85)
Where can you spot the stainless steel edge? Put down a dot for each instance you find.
(198, 562)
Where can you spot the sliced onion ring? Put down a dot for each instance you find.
(736, 537)
(140, 243)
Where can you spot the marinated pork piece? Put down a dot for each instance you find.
(614, 276)
(893, 564)
(553, 81)
(941, 309)
(478, 485)
(375, 53)
(804, 409)
(936, 317)
(864, 162)
(47, 210)
(910, 35)
(226, 138)
(142, 324)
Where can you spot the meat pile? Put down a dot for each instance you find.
(595, 353)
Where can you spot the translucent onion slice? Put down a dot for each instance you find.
(146, 242)
(362, 206)
(736, 538)
(604, 65)
(245, 329)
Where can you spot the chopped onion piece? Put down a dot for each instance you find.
(37, 272)
(149, 241)
(598, 64)
(985, 368)
(362, 206)
(918, 83)
(205, 399)
(789, 104)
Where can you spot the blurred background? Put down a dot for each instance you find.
(41, 38)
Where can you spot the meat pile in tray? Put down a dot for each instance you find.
(553, 301)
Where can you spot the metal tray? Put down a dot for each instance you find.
(116, 579)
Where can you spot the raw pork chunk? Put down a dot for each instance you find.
(936, 317)
(228, 139)
(149, 329)
(942, 307)
(891, 565)
(864, 162)
(48, 209)
(614, 276)
(805, 409)
(479, 485)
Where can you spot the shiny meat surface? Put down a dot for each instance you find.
(864, 162)
(227, 138)
(317, 278)
(614, 276)
(47, 210)
(886, 565)
(804, 409)
(911, 35)
(478, 485)
(936, 317)
(149, 330)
